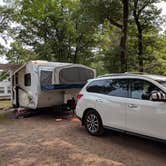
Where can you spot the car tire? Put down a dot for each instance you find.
(93, 123)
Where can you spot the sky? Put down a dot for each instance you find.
(161, 5)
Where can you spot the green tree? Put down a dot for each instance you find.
(19, 55)
(54, 30)
(112, 36)
(116, 12)
(3, 75)
(5, 14)
(146, 16)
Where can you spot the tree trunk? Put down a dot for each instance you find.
(140, 50)
(75, 55)
(123, 42)
(140, 41)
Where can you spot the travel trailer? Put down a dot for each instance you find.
(41, 84)
(5, 90)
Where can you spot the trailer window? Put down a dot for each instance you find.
(73, 75)
(45, 78)
(27, 79)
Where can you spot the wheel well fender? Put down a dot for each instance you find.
(86, 111)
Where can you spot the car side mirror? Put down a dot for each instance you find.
(158, 96)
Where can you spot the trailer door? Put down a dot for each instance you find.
(15, 95)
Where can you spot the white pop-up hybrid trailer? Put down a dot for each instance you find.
(41, 84)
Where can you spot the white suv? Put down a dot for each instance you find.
(132, 103)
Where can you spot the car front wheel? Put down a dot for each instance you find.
(93, 123)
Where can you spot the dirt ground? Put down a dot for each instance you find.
(43, 140)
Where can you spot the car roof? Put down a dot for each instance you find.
(159, 78)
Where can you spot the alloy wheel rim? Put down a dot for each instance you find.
(92, 123)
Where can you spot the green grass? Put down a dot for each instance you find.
(4, 114)
(5, 103)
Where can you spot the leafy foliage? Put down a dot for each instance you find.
(87, 32)
(3, 75)
(54, 30)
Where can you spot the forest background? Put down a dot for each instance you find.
(109, 35)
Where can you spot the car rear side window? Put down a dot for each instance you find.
(118, 87)
(111, 87)
(96, 86)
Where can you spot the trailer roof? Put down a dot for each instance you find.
(56, 64)
(47, 63)
(42, 63)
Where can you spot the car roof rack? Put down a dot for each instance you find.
(136, 73)
(121, 74)
(109, 75)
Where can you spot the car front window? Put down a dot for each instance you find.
(141, 89)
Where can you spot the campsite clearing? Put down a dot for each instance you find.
(43, 140)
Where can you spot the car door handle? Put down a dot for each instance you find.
(99, 100)
(132, 106)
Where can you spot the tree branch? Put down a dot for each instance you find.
(144, 6)
(114, 23)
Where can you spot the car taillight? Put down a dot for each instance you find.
(79, 96)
